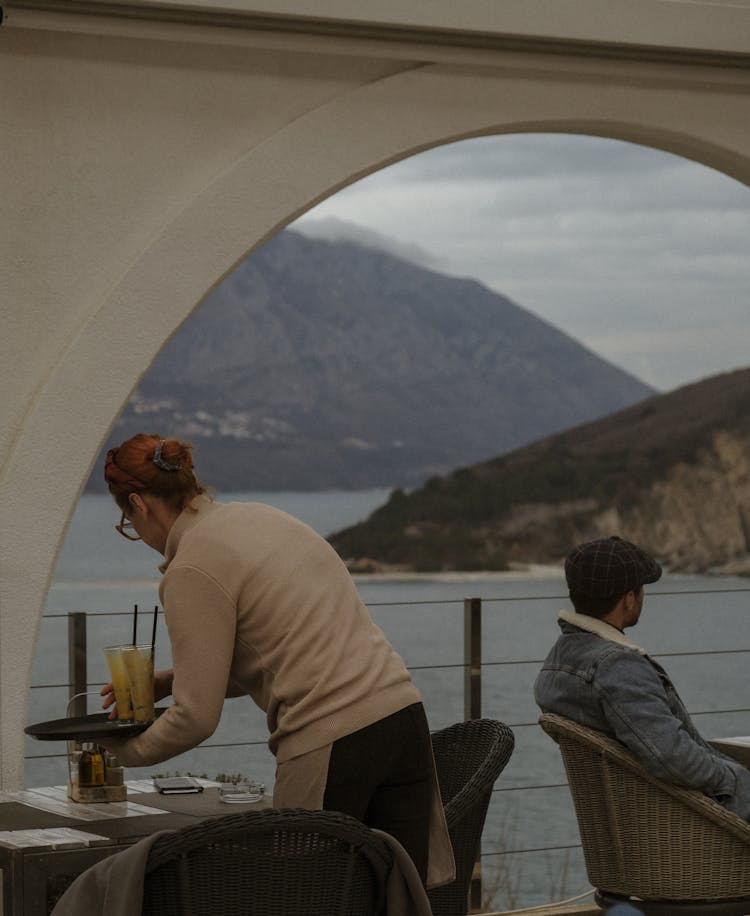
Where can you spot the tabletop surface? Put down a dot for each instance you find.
(45, 818)
(739, 741)
(737, 748)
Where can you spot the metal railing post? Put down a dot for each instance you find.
(472, 658)
(473, 708)
(77, 674)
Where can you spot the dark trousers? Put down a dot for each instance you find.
(382, 775)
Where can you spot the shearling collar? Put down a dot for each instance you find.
(600, 628)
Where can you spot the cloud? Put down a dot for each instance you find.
(639, 254)
(333, 229)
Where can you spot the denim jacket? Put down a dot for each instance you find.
(596, 676)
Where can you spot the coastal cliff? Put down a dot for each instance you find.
(671, 473)
(698, 516)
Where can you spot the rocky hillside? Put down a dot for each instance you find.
(320, 364)
(671, 473)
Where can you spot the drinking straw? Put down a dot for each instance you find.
(135, 623)
(153, 631)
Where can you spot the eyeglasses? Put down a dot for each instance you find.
(125, 527)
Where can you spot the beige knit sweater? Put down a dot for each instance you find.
(257, 603)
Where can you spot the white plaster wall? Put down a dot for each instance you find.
(717, 25)
(137, 171)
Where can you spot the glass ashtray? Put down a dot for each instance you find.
(238, 793)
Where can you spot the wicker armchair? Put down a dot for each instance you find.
(275, 862)
(674, 849)
(469, 756)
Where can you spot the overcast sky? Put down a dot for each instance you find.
(640, 255)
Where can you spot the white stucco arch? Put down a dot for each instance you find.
(131, 196)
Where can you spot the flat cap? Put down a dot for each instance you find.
(609, 567)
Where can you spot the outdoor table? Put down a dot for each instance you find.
(46, 839)
(738, 748)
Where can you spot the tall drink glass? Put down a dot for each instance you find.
(120, 683)
(140, 667)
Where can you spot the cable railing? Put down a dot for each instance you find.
(473, 665)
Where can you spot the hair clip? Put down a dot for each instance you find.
(160, 462)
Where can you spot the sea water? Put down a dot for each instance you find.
(100, 573)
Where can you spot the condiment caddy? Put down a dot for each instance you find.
(94, 775)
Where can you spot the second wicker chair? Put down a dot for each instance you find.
(469, 756)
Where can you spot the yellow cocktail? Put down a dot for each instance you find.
(139, 665)
(120, 683)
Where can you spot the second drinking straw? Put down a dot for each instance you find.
(135, 623)
(153, 632)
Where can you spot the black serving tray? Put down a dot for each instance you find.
(87, 728)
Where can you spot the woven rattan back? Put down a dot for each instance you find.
(644, 837)
(469, 756)
(276, 862)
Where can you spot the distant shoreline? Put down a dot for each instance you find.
(519, 571)
(541, 571)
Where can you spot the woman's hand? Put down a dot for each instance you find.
(162, 688)
(108, 692)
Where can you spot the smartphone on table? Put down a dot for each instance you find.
(176, 785)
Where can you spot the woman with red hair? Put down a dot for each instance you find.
(256, 603)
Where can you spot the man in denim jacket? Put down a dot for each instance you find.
(596, 676)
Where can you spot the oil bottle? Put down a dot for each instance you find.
(90, 766)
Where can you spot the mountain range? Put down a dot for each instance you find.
(671, 473)
(323, 364)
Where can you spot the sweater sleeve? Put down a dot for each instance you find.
(201, 619)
